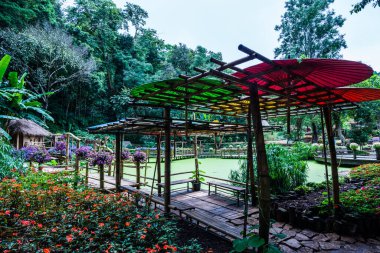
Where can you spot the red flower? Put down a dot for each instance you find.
(127, 224)
(143, 237)
(101, 224)
(8, 212)
(69, 238)
(138, 216)
(46, 250)
(25, 223)
(39, 225)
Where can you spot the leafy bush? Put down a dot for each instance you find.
(11, 161)
(366, 171)
(286, 170)
(53, 217)
(305, 151)
(365, 200)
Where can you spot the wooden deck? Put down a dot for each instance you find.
(109, 182)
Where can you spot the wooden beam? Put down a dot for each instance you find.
(334, 162)
(262, 166)
(250, 155)
(167, 160)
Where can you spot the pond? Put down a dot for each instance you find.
(217, 167)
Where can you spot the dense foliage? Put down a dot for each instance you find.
(42, 213)
(11, 162)
(363, 3)
(287, 170)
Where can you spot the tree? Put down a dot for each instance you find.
(310, 28)
(20, 13)
(49, 56)
(362, 4)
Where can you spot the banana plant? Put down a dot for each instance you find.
(18, 102)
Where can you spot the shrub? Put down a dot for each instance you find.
(11, 161)
(83, 152)
(57, 218)
(365, 200)
(376, 145)
(354, 146)
(366, 171)
(304, 151)
(101, 158)
(286, 170)
(139, 157)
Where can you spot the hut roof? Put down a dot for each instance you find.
(27, 127)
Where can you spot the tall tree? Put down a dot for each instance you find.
(363, 3)
(310, 28)
(20, 13)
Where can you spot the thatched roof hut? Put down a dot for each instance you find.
(26, 132)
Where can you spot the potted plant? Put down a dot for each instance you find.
(354, 146)
(198, 179)
(376, 146)
(41, 156)
(101, 158)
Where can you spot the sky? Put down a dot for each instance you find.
(221, 25)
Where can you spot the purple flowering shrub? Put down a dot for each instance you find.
(60, 146)
(101, 158)
(139, 157)
(125, 155)
(36, 154)
(83, 152)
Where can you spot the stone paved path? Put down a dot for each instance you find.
(225, 210)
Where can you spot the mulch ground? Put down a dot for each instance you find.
(210, 242)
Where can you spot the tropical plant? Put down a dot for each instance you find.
(11, 161)
(16, 101)
(286, 170)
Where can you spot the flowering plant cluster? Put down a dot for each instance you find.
(101, 158)
(83, 152)
(354, 146)
(60, 146)
(139, 157)
(57, 218)
(36, 154)
(366, 171)
(125, 155)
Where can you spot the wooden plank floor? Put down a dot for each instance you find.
(109, 181)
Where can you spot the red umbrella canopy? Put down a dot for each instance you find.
(306, 75)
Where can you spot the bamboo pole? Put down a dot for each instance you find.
(262, 167)
(334, 163)
(196, 159)
(118, 161)
(158, 160)
(250, 155)
(86, 180)
(325, 159)
(67, 151)
(167, 161)
(101, 176)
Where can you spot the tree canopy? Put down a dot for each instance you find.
(310, 29)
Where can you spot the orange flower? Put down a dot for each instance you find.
(127, 224)
(54, 230)
(69, 238)
(46, 250)
(138, 216)
(101, 224)
(8, 212)
(143, 237)
(39, 225)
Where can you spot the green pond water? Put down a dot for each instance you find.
(217, 167)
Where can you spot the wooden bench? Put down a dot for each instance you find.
(183, 181)
(237, 189)
(211, 222)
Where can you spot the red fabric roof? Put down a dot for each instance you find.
(358, 94)
(325, 73)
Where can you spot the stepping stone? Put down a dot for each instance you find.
(347, 239)
(320, 238)
(286, 249)
(293, 243)
(329, 246)
(275, 230)
(301, 237)
(278, 225)
(333, 236)
(288, 227)
(311, 244)
(289, 233)
(305, 250)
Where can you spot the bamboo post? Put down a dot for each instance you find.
(67, 151)
(86, 180)
(334, 163)
(167, 161)
(138, 175)
(101, 176)
(158, 159)
(118, 160)
(196, 159)
(262, 167)
(76, 164)
(325, 159)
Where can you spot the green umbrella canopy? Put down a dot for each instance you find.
(175, 91)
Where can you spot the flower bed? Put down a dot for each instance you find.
(53, 217)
